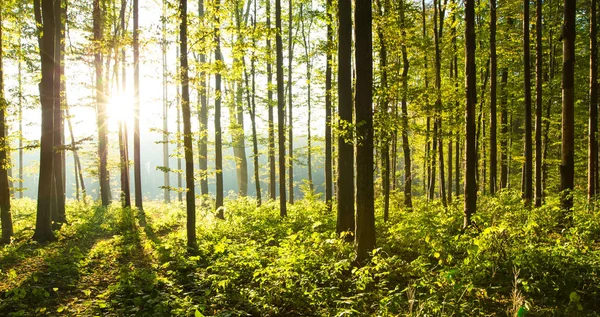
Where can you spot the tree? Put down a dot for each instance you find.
(165, 110)
(528, 166)
(405, 140)
(290, 106)
(538, 105)
(58, 161)
(5, 214)
(328, 91)
(470, 205)
(567, 168)
(271, 146)
(136, 108)
(123, 146)
(345, 179)
(365, 206)
(203, 112)
(593, 111)
(218, 135)
(190, 194)
(43, 225)
(101, 106)
(280, 109)
(493, 98)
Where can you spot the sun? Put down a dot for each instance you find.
(120, 109)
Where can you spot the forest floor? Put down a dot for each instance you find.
(121, 262)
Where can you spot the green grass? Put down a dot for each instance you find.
(517, 261)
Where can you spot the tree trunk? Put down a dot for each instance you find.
(405, 140)
(328, 116)
(593, 122)
(123, 146)
(365, 207)
(43, 225)
(271, 146)
(218, 135)
(384, 111)
(203, 114)
(5, 214)
(58, 163)
(190, 195)
(438, 26)
(471, 98)
(178, 138)
(528, 167)
(101, 107)
(165, 110)
(290, 106)
(493, 99)
(307, 55)
(345, 175)
(539, 105)
(136, 108)
(504, 149)
(280, 109)
(567, 168)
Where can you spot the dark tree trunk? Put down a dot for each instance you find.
(384, 111)
(43, 225)
(190, 195)
(528, 166)
(504, 131)
(136, 109)
(471, 97)
(101, 107)
(280, 109)
(438, 27)
(5, 214)
(567, 168)
(218, 135)
(365, 207)
(58, 162)
(345, 175)
(538, 106)
(593, 122)
(493, 98)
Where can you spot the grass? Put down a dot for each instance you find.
(516, 262)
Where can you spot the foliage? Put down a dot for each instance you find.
(515, 260)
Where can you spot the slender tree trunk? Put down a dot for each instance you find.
(328, 116)
(593, 122)
(457, 160)
(345, 175)
(57, 114)
(20, 83)
(178, 139)
(280, 109)
(493, 99)
(123, 146)
(528, 167)
(190, 195)
(384, 111)
(5, 214)
(43, 225)
(365, 207)
(203, 114)
(290, 106)
(504, 149)
(271, 146)
(471, 98)
(136, 108)
(405, 139)
(218, 134)
(567, 167)
(165, 110)
(307, 55)
(539, 105)
(438, 26)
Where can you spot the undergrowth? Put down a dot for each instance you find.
(515, 261)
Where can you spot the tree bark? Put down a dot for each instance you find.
(405, 139)
(493, 99)
(528, 167)
(43, 226)
(567, 168)
(136, 108)
(593, 111)
(470, 205)
(504, 149)
(328, 122)
(280, 109)
(218, 133)
(165, 109)
(123, 140)
(365, 207)
(290, 106)
(203, 114)
(345, 175)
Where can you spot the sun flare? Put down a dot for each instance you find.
(120, 109)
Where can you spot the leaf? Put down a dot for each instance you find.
(436, 255)
(198, 314)
(60, 309)
(522, 312)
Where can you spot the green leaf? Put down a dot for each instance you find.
(522, 312)
(198, 314)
